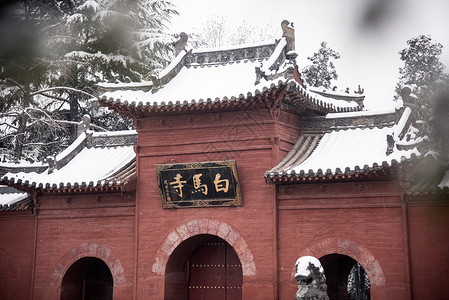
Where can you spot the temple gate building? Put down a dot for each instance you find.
(235, 170)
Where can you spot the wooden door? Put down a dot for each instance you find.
(214, 272)
(98, 282)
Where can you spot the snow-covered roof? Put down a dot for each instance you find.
(12, 199)
(225, 77)
(94, 160)
(8, 199)
(429, 175)
(200, 82)
(342, 152)
(7, 166)
(344, 95)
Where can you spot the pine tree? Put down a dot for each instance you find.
(29, 33)
(114, 41)
(322, 70)
(359, 286)
(78, 44)
(422, 71)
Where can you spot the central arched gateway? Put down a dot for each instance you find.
(88, 278)
(204, 267)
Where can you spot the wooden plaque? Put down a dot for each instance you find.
(204, 184)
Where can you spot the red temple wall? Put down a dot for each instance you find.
(429, 247)
(245, 138)
(361, 220)
(365, 220)
(16, 255)
(73, 227)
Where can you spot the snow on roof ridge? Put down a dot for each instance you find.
(22, 163)
(330, 92)
(337, 103)
(113, 133)
(355, 114)
(275, 55)
(125, 84)
(402, 123)
(72, 147)
(232, 47)
(173, 64)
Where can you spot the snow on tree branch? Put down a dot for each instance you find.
(62, 88)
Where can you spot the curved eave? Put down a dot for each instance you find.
(301, 98)
(66, 188)
(292, 93)
(348, 174)
(22, 205)
(127, 108)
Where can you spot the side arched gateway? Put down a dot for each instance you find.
(88, 278)
(338, 257)
(85, 261)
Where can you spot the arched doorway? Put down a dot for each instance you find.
(88, 278)
(204, 267)
(344, 277)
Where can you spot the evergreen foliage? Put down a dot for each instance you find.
(322, 70)
(55, 52)
(359, 286)
(29, 32)
(422, 71)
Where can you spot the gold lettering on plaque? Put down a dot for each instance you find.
(178, 184)
(221, 185)
(197, 184)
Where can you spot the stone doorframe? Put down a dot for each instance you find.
(349, 248)
(99, 251)
(204, 226)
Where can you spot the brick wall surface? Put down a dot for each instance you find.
(84, 227)
(361, 220)
(16, 256)
(365, 220)
(243, 136)
(429, 248)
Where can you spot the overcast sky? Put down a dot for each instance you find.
(367, 33)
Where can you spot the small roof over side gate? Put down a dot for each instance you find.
(14, 200)
(95, 162)
(336, 148)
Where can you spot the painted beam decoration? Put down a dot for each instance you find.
(203, 184)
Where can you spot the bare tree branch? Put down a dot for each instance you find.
(15, 83)
(54, 97)
(38, 144)
(62, 88)
(9, 125)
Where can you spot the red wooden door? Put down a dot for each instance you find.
(214, 272)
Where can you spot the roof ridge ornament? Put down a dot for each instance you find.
(181, 43)
(83, 125)
(289, 33)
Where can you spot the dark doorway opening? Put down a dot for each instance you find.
(88, 278)
(204, 267)
(345, 278)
